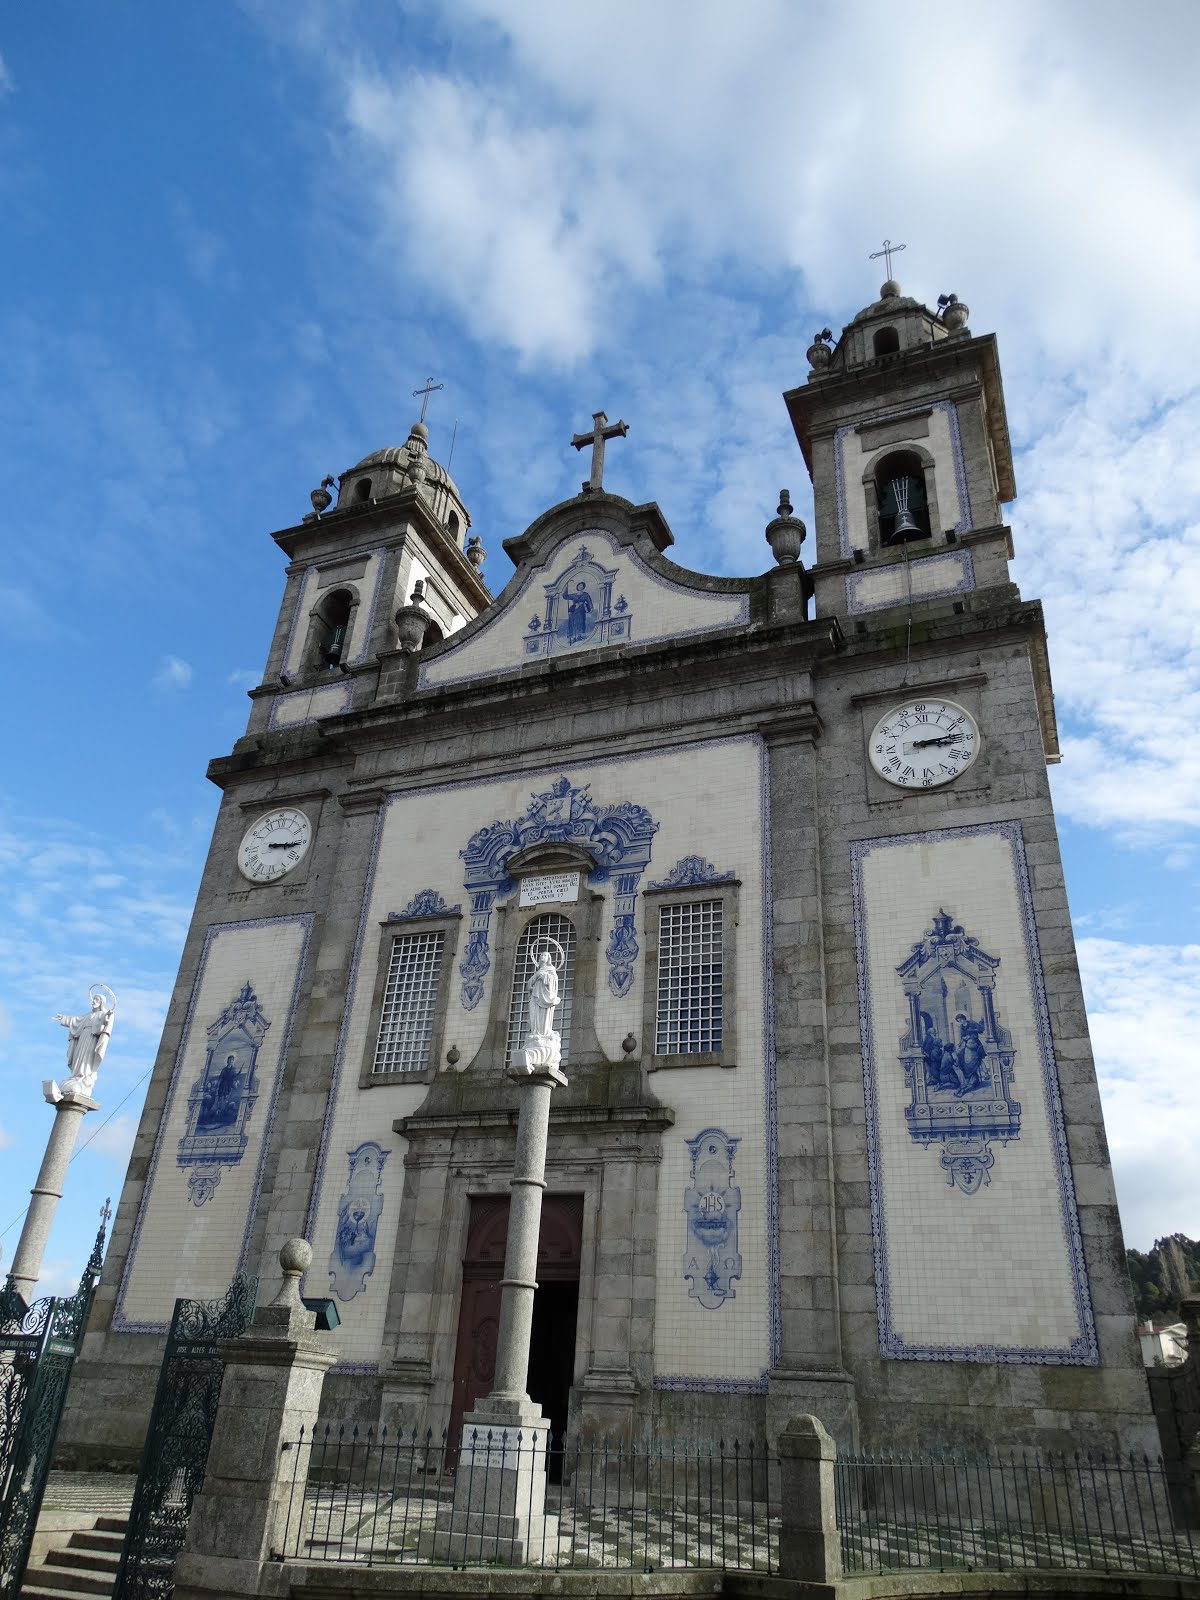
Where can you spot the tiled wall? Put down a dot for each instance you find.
(640, 606)
(988, 1267)
(179, 1247)
(920, 578)
(703, 799)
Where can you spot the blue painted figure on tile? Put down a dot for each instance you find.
(711, 1204)
(223, 1096)
(579, 613)
(352, 1260)
(957, 1058)
(579, 610)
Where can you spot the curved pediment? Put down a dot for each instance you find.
(594, 588)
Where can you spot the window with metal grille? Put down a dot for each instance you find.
(688, 1018)
(535, 934)
(409, 999)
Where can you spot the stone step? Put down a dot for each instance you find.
(84, 1560)
(98, 1539)
(78, 1580)
(111, 1523)
(35, 1589)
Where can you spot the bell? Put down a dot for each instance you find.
(906, 524)
(902, 490)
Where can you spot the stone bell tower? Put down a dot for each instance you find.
(903, 429)
(390, 561)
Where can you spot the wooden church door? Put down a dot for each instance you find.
(555, 1309)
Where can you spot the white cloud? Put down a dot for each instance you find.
(1144, 1011)
(5, 1139)
(7, 86)
(113, 1139)
(243, 678)
(173, 674)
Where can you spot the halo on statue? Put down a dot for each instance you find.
(103, 989)
(544, 943)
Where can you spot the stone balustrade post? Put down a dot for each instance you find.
(809, 1545)
(254, 1483)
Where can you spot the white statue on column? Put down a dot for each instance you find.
(543, 1046)
(87, 1040)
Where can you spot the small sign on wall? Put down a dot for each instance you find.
(553, 888)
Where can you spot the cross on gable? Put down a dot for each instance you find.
(601, 430)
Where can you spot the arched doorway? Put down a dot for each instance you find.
(555, 1308)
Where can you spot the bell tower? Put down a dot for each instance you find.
(387, 562)
(903, 430)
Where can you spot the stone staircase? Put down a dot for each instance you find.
(85, 1565)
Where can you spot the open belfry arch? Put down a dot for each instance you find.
(830, 1140)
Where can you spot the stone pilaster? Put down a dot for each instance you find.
(810, 1375)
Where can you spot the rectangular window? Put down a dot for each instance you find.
(409, 1000)
(690, 971)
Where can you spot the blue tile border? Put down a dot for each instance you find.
(956, 451)
(305, 920)
(961, 559)
(1084, 1349)
(535, 576)
(346, 695)
(380, 557)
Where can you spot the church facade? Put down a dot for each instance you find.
(831, 1139)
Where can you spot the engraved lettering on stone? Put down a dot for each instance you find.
(554, 888)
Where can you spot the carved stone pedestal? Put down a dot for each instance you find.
(499, 1510)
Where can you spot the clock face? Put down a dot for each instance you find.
(274, 845)
(922, 744)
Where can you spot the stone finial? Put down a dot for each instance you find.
(889, 290)
(476, 554)
(411, 622)
(295, 1258)
(954, 312)
(820, 350)
(786, 533)
(629, 1044)
(321, 498)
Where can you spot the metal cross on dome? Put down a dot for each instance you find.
(889, 250)
(601, 431)
(430, 388)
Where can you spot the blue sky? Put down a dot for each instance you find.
(237, 236)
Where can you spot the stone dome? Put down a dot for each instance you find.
(409, 465)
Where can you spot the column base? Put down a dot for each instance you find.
(823, 1392)
(499, 1509)
(605, 1404)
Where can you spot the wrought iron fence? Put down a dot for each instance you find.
(1038, 1509)
(374, 1498)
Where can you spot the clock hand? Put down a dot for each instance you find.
(276, 845)
(922, 744)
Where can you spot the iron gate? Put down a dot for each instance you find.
(38, 1346)
(180, 1432)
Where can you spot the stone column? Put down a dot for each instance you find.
(500, 1487)
(69, 1112)
(253, 1491)
(809, 1544)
